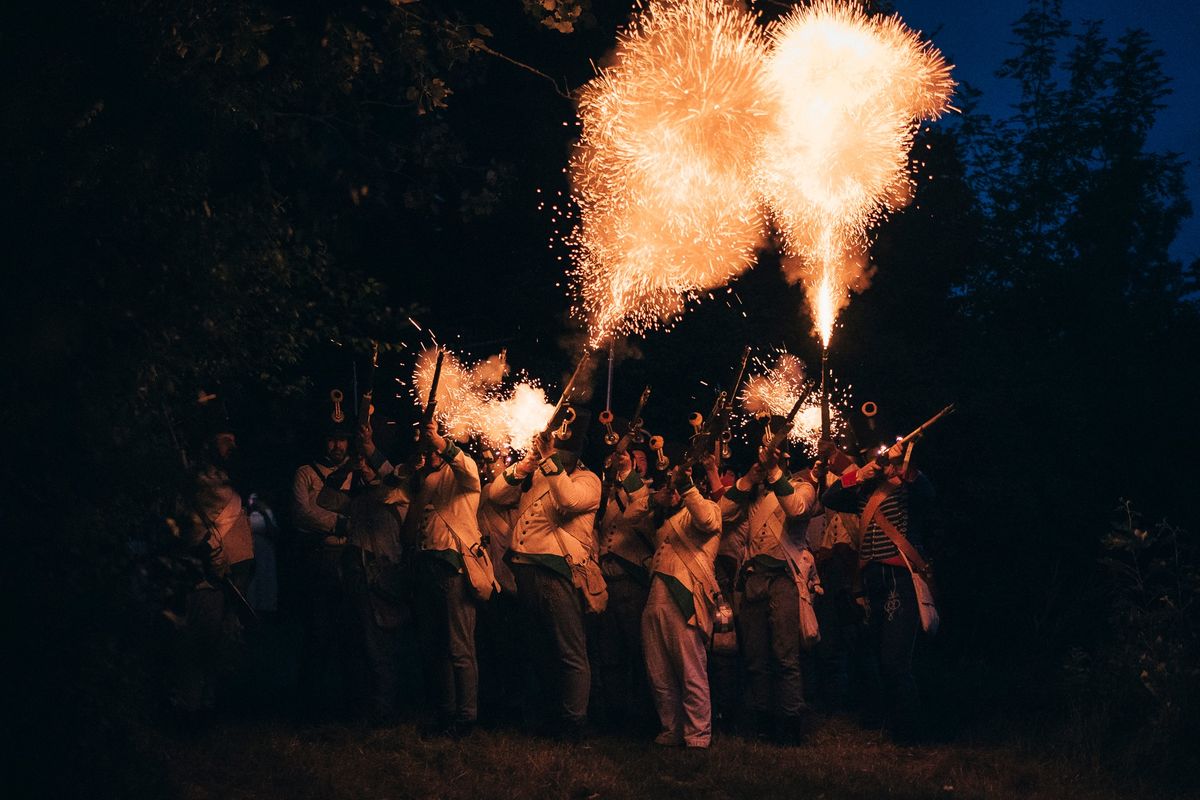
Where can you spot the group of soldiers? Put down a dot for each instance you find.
(644, 595)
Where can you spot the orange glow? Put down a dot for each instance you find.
(848, 91)
(775, 390)
(477, 402)
(663, 172)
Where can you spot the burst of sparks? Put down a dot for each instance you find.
(774, 390)
(477, 401)
(848, 91)
(663, 172)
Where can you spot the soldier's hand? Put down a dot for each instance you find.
(433, 438)
(545, 445)
(624, 465)
(868, 472)
(680, 479)
(366, 439)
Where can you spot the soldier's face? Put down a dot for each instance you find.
(226, 445)
(639, 462)
(336, 449)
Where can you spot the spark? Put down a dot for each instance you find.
(849, 92)
(774, 389)
(479, 400)
(662, 176)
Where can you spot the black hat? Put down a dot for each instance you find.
(578, 429)
(871, 429)
(338, 430)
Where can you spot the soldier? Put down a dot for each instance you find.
(556, 498)
(626, 545)
(221, 506)
(374, 510)
(766, 497)
(318, 589)
(448, 505)
(678, 619)
(500, 655)
(892, 501)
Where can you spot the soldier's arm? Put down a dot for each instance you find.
(796, 498)
(575, 494)
(706, 515)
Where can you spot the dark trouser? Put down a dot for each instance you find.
(331, 644)
(770, 631)
(552, 613)
(379, 645)
(892, 624)
(839, 618)
(502, 659)
(723, 667)
(197, 652)
(446, 625)
(621, 689)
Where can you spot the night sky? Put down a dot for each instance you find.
(976, 38)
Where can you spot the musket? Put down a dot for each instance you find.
(772, 444)
(564, 400)
(882, 458)
(622, 445)
(429, 410)
(737, 382)
(701, 441)
(364, 406)
(716, 425)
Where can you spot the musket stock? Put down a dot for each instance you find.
(883, 458)
(778, 436)
(429, 412)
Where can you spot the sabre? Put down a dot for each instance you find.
(365, 408)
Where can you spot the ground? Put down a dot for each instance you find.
(264, 759)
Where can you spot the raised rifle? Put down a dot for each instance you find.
(622, 445)
(882, 458)
(715, 427)
(430, 410)
(770, 445)
(563, 431)
(365, 407)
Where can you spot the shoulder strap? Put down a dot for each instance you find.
(462, 550)
(910, 554)
(562, 545)
(706, 578)
(873, 502)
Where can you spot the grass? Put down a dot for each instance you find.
(269, 760)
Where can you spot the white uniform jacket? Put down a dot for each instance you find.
(449, 504)
(550, 500)
(699, 521)
(307, 516)
(625, 531)
(767, 510)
